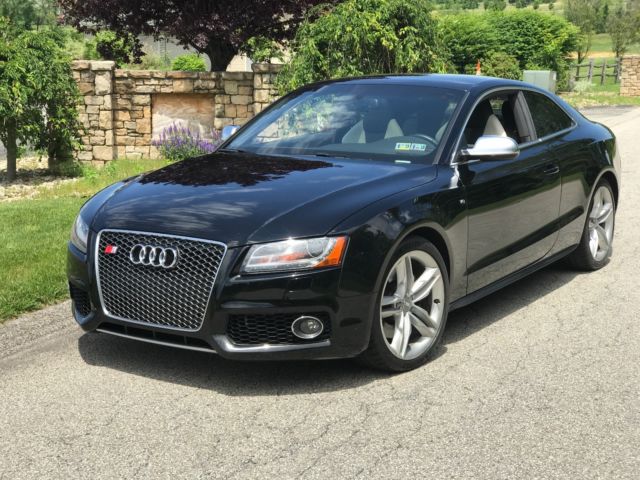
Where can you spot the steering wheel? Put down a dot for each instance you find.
(429, 139)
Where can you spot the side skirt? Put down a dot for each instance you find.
(509, 279)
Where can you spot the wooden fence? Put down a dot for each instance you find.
(609, 68)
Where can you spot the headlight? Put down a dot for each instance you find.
(295, 255)
(80, 233)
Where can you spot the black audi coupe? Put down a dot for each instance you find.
(347, 220)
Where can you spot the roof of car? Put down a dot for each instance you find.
(459, 82)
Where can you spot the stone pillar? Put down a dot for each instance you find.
(630, 76)
(132, 116)
(234, 104)
(264, 89)
(95, 82)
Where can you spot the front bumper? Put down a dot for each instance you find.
(348, 316)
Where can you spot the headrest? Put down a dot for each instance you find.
(376, 120)
(480, 115)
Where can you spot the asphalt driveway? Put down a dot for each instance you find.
(540, 380)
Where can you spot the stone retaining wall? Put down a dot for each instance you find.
(117, 105)
(630, 76)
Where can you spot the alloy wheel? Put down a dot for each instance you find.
(412, 305)
(601, 219)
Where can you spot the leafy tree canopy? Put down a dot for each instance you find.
(360, 37)
(469, 38)
(37, 94)
(623, 24)
(217, 28)
(28, 14)
(584, 15)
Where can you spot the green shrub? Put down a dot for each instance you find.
(190, 62)
(501, 65)
(582, 86)
(262, 50)
(150, 61)
(109, 45)
(89, 51)
(468, 4)
(536, 38)
(361, 37)
(531, 38)
(469, 37)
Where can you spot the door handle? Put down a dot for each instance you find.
(551, 169)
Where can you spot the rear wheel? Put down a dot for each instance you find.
(595, 246)
(412, 308)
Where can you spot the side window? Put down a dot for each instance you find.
(547, 117)
(493, 116)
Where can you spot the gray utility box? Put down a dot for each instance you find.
(541, 78)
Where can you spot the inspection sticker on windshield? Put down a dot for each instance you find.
(411, 147)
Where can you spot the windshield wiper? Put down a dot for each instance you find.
(231, 150)
(325, 155)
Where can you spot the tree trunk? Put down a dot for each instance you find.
(220, 54)
(12, 150)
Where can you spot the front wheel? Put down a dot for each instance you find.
(412, 308)
(595, 246)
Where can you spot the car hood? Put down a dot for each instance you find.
(239, 198)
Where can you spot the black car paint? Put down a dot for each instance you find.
(490, 219)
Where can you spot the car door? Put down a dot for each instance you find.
(512, 204)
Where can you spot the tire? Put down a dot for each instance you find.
(585, 257)
(388, 350)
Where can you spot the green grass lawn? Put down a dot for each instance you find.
(34, 234)
(599, 95)
(601, 43)
(33, 243)
(597, 98)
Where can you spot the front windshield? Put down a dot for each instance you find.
(400, 123)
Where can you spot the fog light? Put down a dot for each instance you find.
(307, 327)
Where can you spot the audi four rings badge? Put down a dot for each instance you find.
(164, 257)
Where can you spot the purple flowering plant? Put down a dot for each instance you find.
(177, 142)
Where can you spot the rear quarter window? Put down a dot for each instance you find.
(548, 117)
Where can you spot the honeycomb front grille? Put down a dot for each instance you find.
(272, 329)
(174, 297)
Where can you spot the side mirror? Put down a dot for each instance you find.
(228, 131)
(490, 147)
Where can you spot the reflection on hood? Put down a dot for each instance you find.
(245, 170)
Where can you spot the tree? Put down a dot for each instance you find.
(623, 25)
(495, 5)
(362, 37)
(122, 49)
(602, 16)
(584, 15)
(28, 14)
(37, 95)
(216, 28)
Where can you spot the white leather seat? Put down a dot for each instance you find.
(356, 134)
(494, 127)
